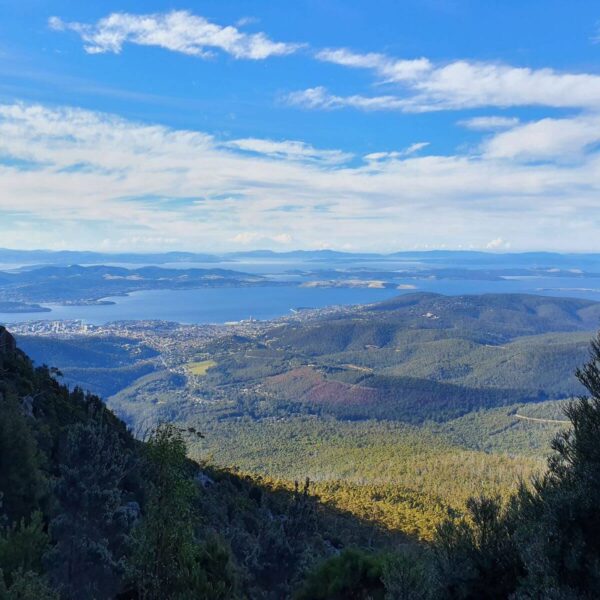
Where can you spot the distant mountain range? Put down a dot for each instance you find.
(463, 257)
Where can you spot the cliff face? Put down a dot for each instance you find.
(7, 341)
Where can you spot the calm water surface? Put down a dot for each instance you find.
(219, 305)
(207, 305)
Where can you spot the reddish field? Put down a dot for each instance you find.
(307, 385)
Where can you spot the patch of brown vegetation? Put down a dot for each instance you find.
(306, 384)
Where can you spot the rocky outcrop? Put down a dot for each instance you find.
(7, 342)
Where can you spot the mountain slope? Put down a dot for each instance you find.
(413, 358)
(79, 493)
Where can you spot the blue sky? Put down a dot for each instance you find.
(356, 125)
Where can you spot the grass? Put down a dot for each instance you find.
(199, 368)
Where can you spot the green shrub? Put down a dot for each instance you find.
(353, 575)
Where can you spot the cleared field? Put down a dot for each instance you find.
(199, 368)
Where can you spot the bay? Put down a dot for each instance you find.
(206, 305)
(220, 305)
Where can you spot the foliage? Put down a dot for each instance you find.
(212, 533)
(400, 477)
(163, 554)
(546, 543)
(561, 538)
(19, 462)
(22, 546)
(27, 585)
(408, 575)
(167, 561)
(86, 531)
(97, 502)
(476, 555)
(353, 575)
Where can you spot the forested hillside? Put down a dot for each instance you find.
(397, 412)
(90, 512)
(413, 358)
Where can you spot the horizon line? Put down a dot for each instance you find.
(490, 251)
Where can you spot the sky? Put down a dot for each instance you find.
(223, 125)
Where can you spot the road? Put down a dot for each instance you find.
(538, 420)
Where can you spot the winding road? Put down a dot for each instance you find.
(538, 420)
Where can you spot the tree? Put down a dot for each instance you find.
(85, 530)
(22, 484)
(27, 585)
(353, 575)
(408, 575)
(546, 543)
(286, 542)
(22, 547)
(476, 555)
(559, 535)
(167, 560)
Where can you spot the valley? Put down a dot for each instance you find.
(396, 411)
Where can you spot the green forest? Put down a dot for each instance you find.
(89, 511)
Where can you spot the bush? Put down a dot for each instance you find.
(353, 575)
(408, 575)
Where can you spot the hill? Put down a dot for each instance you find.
(416, 357)
(394, 376)
(91, 512)
(83, 512)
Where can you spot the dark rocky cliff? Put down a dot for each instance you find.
(7, 341)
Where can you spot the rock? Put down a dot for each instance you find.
(7, 342)
(27, 405)
(204, 480)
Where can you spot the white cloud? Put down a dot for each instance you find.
(376, 156)
(320, 98)
(463, 84)
(456, 85)
(256, 237)
(497, 244)
(490, 123)
(247, 237)
(178, 31)
(394, 70)
(99, 180)
(558, 139)
(415, 148)
(247, 21)
(282, 238)
(290, 149)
